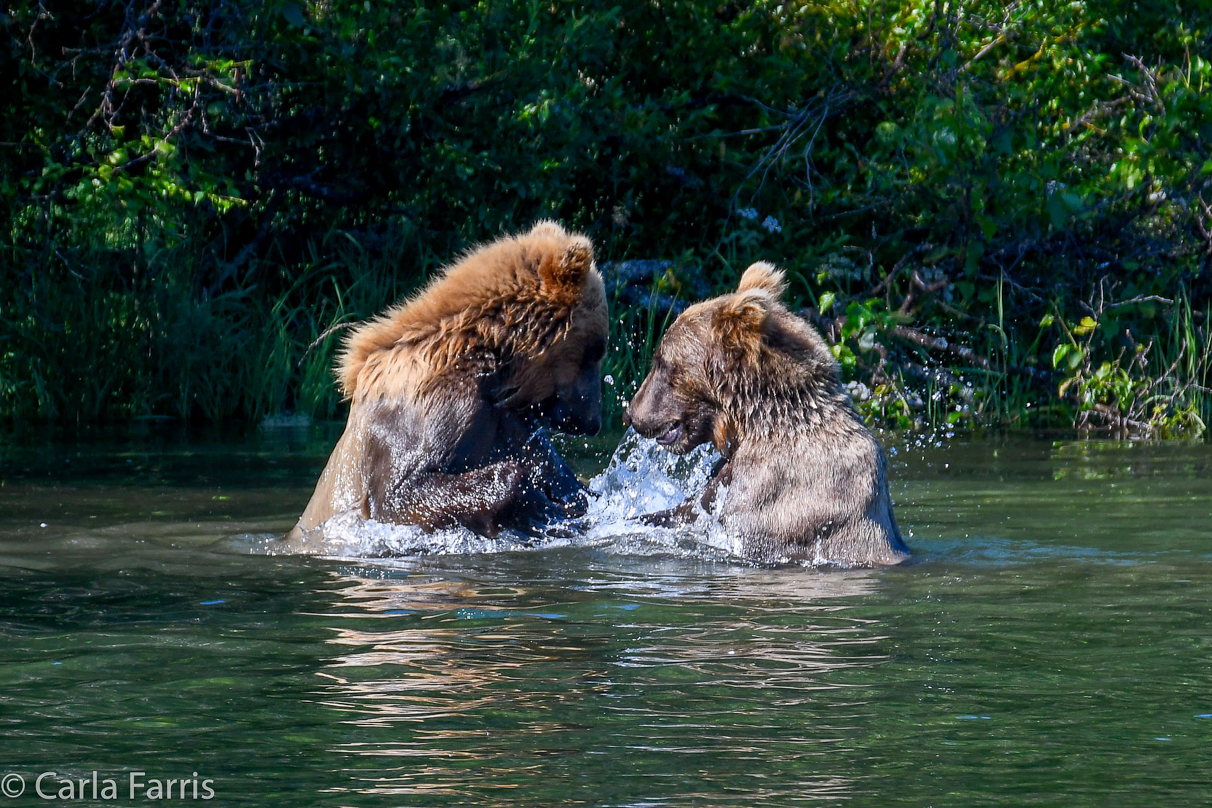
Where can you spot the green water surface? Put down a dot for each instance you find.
(1048, 645)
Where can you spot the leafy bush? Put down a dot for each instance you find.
(195, 195)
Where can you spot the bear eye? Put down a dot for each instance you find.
(594, 352)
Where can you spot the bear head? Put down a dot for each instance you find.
(734, 366)
(522, 319)
(556, 374)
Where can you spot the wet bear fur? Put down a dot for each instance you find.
(802, 479)
(450, 393)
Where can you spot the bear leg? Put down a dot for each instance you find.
(474, 499)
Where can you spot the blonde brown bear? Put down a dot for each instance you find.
(450, 391)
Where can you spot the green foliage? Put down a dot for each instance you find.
(193, 195)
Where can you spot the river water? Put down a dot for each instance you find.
(1050, 642)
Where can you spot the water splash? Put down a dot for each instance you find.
(641, 478)
(644, 478)
(348, 535)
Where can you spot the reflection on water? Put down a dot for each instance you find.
(496, 674)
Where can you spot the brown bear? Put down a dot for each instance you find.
(450, 391)
(802, 478)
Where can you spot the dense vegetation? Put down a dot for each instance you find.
(999, 211)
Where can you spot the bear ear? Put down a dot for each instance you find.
(547, 227)
(568, 272)
(766, 277)
(739, 321)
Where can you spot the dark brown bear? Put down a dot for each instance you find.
(449, 390)
(802, 478)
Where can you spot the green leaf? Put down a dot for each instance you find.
(1057, 212)
(975, 250)
(826, 302)
(988, 226)
(1087, 325)
(857, 318)
(1071, 201)
(1059, 353)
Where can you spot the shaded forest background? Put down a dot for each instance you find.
(998, 212)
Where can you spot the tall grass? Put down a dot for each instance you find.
(634, 335)
(104, 340)
(1182, 393)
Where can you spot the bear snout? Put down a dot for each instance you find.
(643, 416)
(648, 427)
